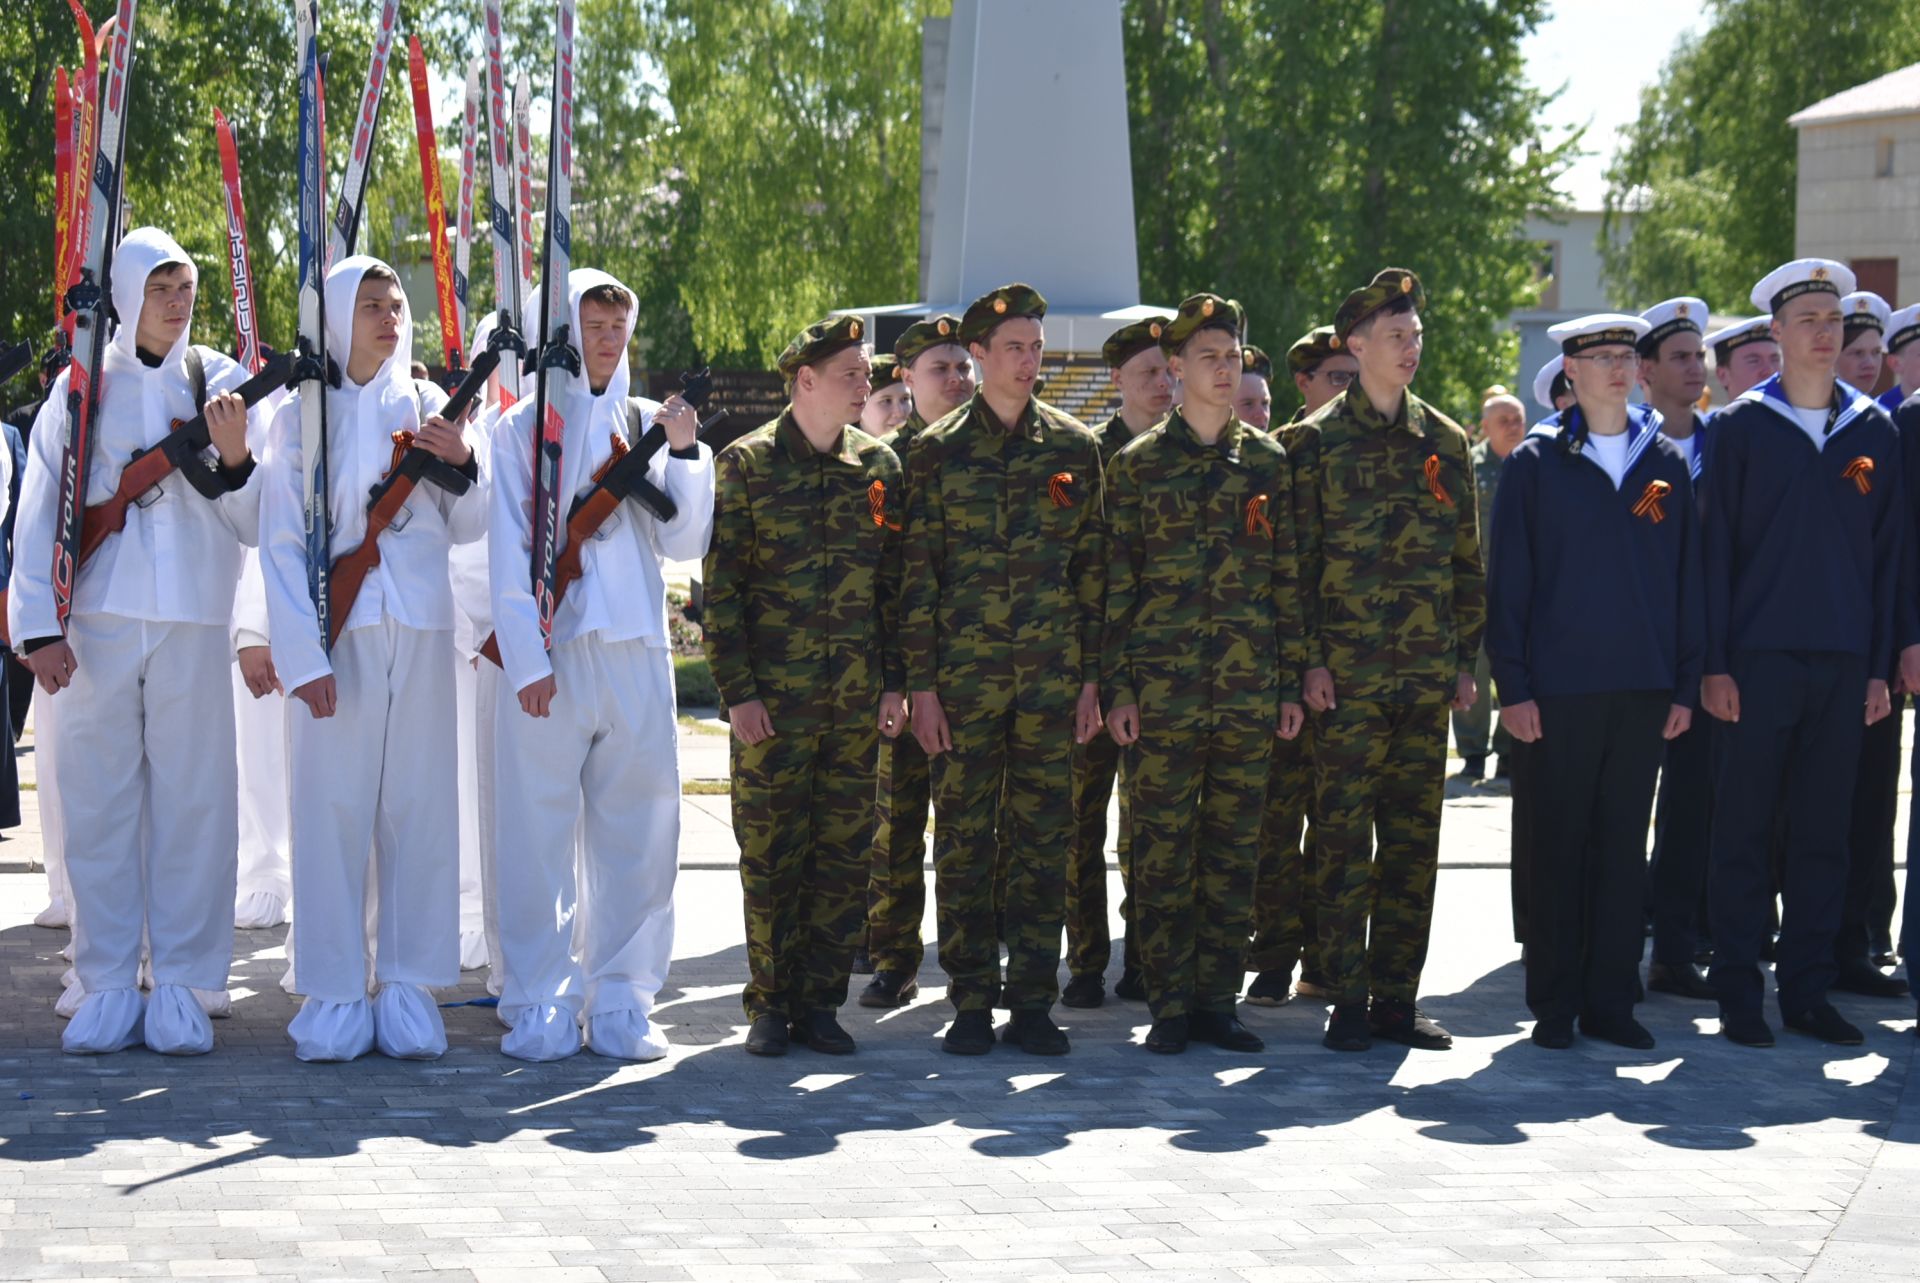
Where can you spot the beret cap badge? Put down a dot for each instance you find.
(1000, 306)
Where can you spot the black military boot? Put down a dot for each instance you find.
(1402, 1022)
(971, 1033)
(1035, 1033)
(1168, 1037)
(1132, 986)
(1683, 981)
(889, 989)
(1347, 1029)
(1083, 992)
(1271, 989)
(821, 1031)
(768, 1035)
(1224, 1030)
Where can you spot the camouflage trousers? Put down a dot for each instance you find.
(1089, 939)
(1379, 773)
(802, 812)
(1195, 795)
(1284, 888)
(897, 883)
(1024, 750)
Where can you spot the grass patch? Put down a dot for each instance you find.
(705, 788)
(693, 681)
(699, 727)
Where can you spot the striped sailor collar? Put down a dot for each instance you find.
(1846, 408)
(1643, 429)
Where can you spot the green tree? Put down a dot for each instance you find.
(1283, 150)
(1708, 170)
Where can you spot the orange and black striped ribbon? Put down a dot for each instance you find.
(1648, 505)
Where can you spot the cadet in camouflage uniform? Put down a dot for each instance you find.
(1395, 603)
(802, 598)
(1503, 421)
(1139, 370)
(1003, 598)
(1283, 893)
(1254, 402)
(938, 372)
(1201, 666)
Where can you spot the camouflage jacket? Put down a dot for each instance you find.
(901, 439)
(1004, 543)
(1112, 437)
(1203, 617)
(802, 576)
(1486, 483)
(1391, 582)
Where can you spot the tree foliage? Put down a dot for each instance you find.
(1708, 170)
(1284, 150)
(746, 168)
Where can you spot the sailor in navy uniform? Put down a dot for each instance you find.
(1596, 637)
(1550, 388)
(1903, 354)
(1673, 371)
(1866, 915)
(1745, 354)
(1802, 556)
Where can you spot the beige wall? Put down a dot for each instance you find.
(1845, 211)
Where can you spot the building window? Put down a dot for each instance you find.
(1883, 159)
(1881, 275)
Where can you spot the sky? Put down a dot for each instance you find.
(1603, 52)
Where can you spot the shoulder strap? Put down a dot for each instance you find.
(197, 376)
(633, 420)
(419, 401)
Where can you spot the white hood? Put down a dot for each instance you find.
(143, 250)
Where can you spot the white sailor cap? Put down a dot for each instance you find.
(1802, 276)
(1554, 371)
(1669, 318)
(1903, 327)
(1724, 340)
(1602, 329)
(1864, 310)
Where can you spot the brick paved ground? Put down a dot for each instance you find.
(1494, 1161)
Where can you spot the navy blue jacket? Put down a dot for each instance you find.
(1906, 614)
(1803, 546)
(1593, 589)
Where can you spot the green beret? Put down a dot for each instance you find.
(1389, 284)
(1200, 312)
(1311, 348)
(821, 340)
(921, 335)
(1254, 361)
(1131, 340)
(985, 313)
(885, 372)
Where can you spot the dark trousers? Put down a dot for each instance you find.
(1590, 781)
(1795, 746)
(1520, 837)
(1682, 830)
(1876, 788)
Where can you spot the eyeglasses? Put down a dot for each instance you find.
(1611, 360)
(1338, 378)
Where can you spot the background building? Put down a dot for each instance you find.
(1858, 196)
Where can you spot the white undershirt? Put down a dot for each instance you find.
(1814, 423)
(1610, 453)
(1689, 446)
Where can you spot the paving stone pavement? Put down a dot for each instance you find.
(1493, 1161)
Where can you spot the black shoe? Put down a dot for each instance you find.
(1270, 989)
(1083, 992)
(1313, 985)
(1225, 1031)
(1347, 1029)
(889, 989)
(822, 1032)
(1554, 1033)
(1168, 1037)
(1623, 1031)
(1035, 1033)
(1132, 986)
(862, 963)
(1826, 1024)
(971, 1033)
(1684, 981)
(767, 1036)
(1473, 768)
(1749, 1029)
(1864, 978)
(1403, 1022)
(1885, 958)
